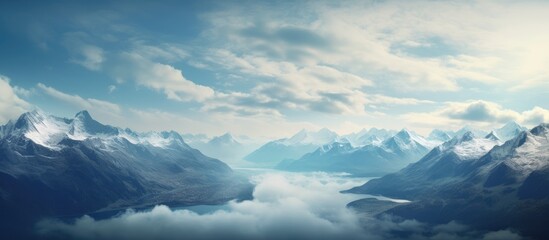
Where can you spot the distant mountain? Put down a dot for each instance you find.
(469, 181)
(444, 161)
(51, 166)
(373, 160)
(509, 130)
(475, 131)
(370, 136)
(274, 152)
(225, 147)
(440, 135)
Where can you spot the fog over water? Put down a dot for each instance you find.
(285, 206)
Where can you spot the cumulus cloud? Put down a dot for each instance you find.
(285, 206)
(479, 110)
(11, 105)
(536, 115)
(480, 113)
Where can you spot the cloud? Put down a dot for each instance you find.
(479, 110)
(111, 88)
(535, 116)
(91, 57)
(285, 206)
(11, 105)
(102, 108)
(83, 53)
(479, 113)
(161, 77)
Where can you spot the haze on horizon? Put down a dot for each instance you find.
(269, 69)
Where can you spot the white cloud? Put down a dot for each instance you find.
(11, 105)
(83, 53)
(91, 57)
(482, 111)
(481, 42)
(479, 113)
(162, 77)
(535, 116)
(103, 109)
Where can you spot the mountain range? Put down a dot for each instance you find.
(274, 152)
(52, 166)
(374, 159)
(225, 147)
(382, 151)
(476, 181)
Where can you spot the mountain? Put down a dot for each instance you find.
(440, 135)
(225, 147)
(443, 162)
(51, 166)
(274, 152)
(469, 181)
(475, 131)
(492, 136)
(367, 137)
(371, 160)
(509, 130)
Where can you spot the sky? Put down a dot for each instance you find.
(268, 69)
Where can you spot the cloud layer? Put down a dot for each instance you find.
(286, 206)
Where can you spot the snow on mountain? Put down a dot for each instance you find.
(469, 146)
(525, 153)
(41, 128)
(370, 136)
(439, 135)
(373, 159)
(226, 147)
(406, 140)
(225, 139)
(509, 130)
(475, 131)
(305, 137)
(51, 166)
(475, 181)
(49, 131)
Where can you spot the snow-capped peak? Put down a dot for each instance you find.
(49, 131)
(439, 135)
(320, 137)
(337, 146)
(83, 126)
(527, 151)
(468, 146)
(509, 130)
(405, 139)
(41, 128)
(476, 132)
(224, 139)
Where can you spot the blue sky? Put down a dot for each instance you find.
(268, 69)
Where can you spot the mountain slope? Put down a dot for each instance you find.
(488, 191)
(52, 166)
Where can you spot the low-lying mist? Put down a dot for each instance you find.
(285, 206)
